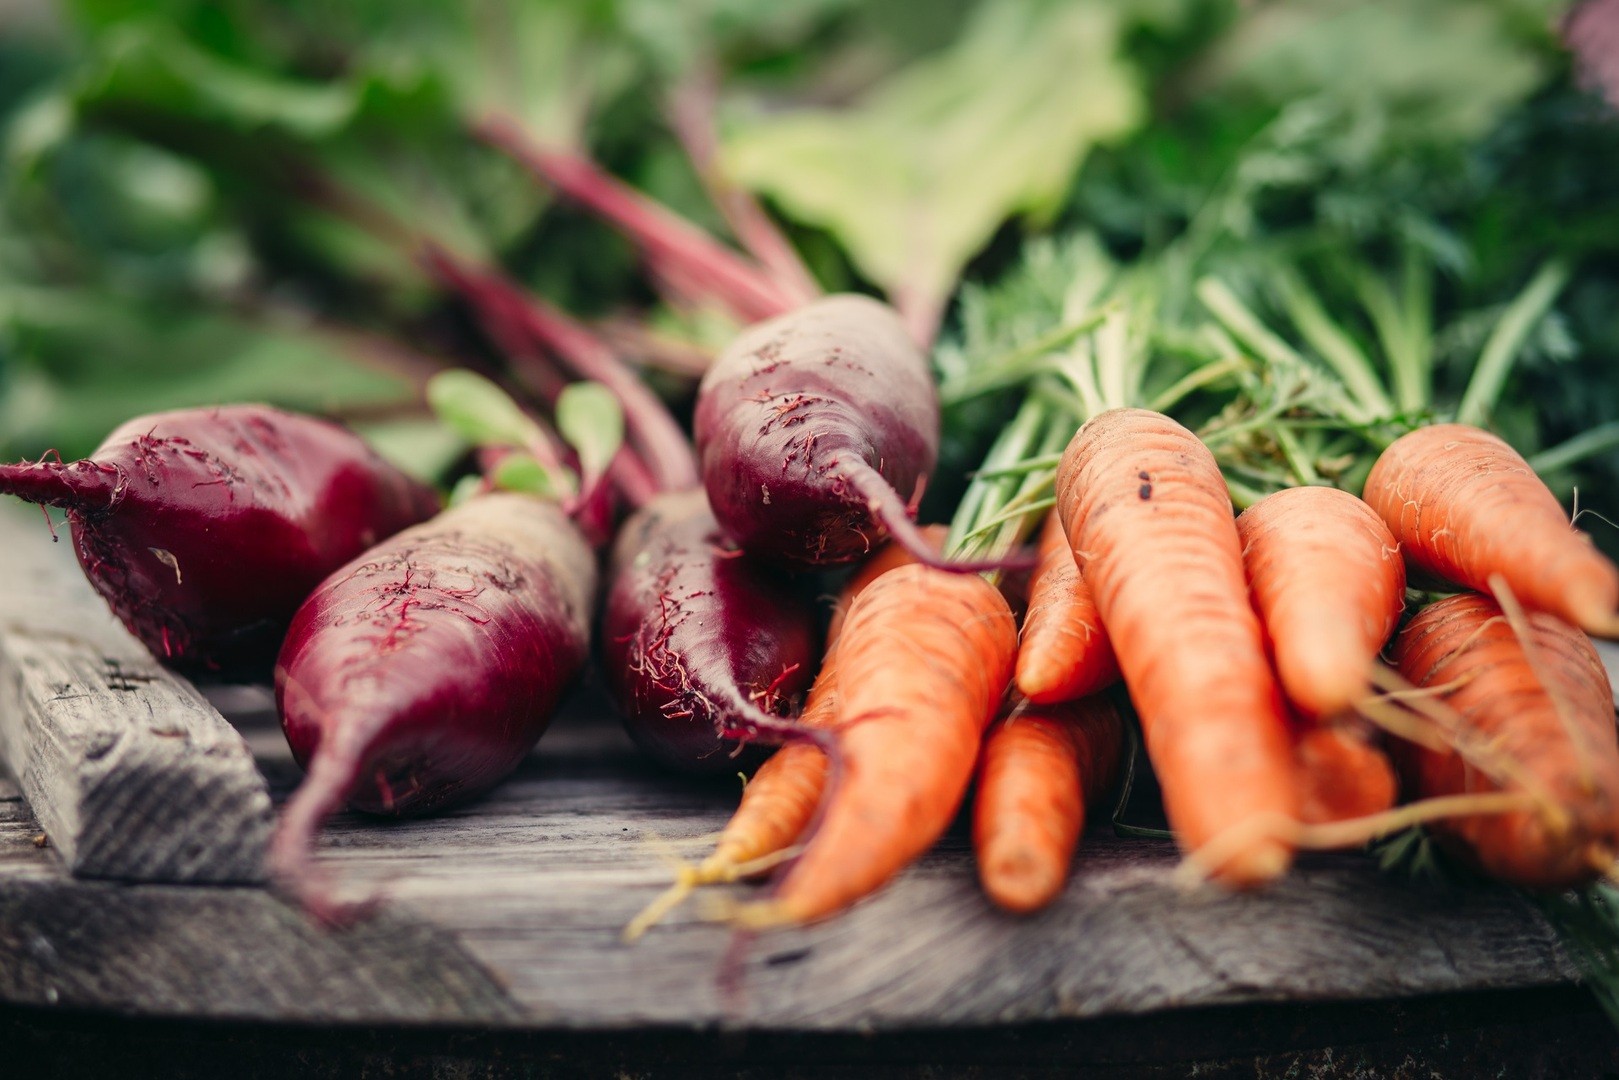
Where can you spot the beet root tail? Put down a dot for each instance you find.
(891, 512)
(291, 858)
(79, 485)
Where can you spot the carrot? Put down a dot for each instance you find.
(924, 658)
(1150, 522)
(778, 803)
(1537, 696)
(1464, 506)
(1326, 579)
(1342, 776)
(1064, 653)
(1041, 765)
(782, 796)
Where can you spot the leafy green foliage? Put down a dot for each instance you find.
(915, 178)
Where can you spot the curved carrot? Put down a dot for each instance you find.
(1064, 653)
(925, 656)
(1464, 506)
(781, 798)
(1548, 709)
(1041, 765)
(1150, 521)
(1326, 577)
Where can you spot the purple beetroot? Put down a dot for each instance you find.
(204, 529)
(814, 429)
(701, 645)
(419, 675)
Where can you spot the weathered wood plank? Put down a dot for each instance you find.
(132, 773)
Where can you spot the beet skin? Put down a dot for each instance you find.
(204, 529)
(422, 673)
(814, 428)
(698, 640)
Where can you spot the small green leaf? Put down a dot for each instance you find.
(465, 488)
(525, 474)
(479, 411)
(589, 417)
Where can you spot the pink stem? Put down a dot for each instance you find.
(518, 321)
(921, 312)
(751, 293)
(691, 115)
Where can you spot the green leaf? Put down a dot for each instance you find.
(83, 361)
(589, 417)
(479, 411)
(150, 64)
(917, 177)
(525, 474)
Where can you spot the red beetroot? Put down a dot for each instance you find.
(809, 429)
(204, 529)
(699, 641)
(422, 673)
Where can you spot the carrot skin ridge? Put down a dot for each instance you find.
(1041, 766)
(204, 529)
(1150, 522)
(1064, 653)
(925, 657)
(1464, 505)
(1507, 705)
(422, 673)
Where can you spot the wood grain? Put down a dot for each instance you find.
(508, 911)
(130, 771)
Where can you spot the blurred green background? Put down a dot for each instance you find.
(211, 201)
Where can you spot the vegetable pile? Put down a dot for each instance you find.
(1247, 358)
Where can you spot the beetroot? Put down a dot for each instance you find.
(204, 529)
(422, 673)
(699, 642)
(809, 429)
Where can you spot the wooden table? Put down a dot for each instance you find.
(497, 952)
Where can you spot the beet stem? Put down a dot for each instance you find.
(887, 507)
(509, 312)
(691, 116)
(662, 235)
(80, 485)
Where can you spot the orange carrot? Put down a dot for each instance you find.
(1150, 521)
(1064, 653)
(1541, 702)
(1328, 583)
(782, 796)
(1341, 775)
(1464, 506)
(924, 657)
(1041, 765)
(1326, 578)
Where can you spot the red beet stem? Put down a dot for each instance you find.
(509, 312)
(80, 485)
(750, 293)
(691, 116)
(887, 507)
